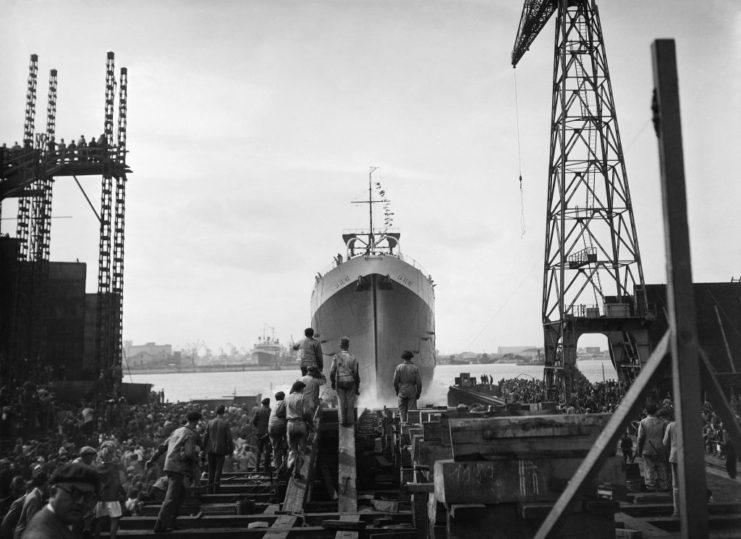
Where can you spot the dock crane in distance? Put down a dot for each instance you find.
(592, 276)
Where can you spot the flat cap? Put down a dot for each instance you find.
(76, 472)
(87, 450)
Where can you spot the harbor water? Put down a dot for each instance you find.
(216, 385)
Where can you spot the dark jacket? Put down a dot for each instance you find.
(46, 524)
(32, 504)
(218, 437)
(261, 419)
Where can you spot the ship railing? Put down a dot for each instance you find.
(401, 256)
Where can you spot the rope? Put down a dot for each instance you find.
(519, 160)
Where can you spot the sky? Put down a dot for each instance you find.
(253, 124)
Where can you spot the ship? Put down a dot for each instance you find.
(381, 300)
(268, 351)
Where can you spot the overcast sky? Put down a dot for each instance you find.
(252, 124)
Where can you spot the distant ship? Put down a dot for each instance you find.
(382, 301)
(268, 351)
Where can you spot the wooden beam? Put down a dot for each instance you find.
(606, 441)
(514, 480)
(347, 474)
(566, 435)
(281, 527)
(680, 294)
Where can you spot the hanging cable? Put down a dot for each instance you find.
(519, 160)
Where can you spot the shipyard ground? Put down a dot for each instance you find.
(387, 479)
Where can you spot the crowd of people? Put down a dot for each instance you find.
(70, 468)
(83, 150)
(586, 397)
(95, 461)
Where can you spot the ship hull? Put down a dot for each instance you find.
(384, 306)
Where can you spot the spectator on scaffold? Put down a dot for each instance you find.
(407, 384)
(310, 352)
(346, 381)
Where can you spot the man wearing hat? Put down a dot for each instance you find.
(261, 420)
(74, 489)
(407, 384)
(346, 381)
(87, 455)
(181, 457)
(217, 443)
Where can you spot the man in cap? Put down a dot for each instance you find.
(180, 460)
(311, 352)
(87, 455)
(346, 381)
(407, 384)
(217, 443)
(74, 489)
(261, 421)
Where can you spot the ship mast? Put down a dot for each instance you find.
(371, 239)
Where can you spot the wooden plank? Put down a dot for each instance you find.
(281, 527)
(606, 441)
(680, 294)
(352, 533)
(636, 524)
(515, 480)
(347, 474)
(525, 436)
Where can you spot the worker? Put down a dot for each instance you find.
(261, 420)
(346, 381)
(180, 463)
(651, 448)
(310, 351)
(299, 423)
(312, 382)
(407, 384)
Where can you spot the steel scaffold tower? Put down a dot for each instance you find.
(24, 201)
(21, 327)
(119, 220)
(105, 330)
(592, 278)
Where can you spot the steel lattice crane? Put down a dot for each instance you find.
(592, 278)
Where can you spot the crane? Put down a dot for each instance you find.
(592, 279)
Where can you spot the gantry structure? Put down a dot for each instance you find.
(28, 173)
(592, 276)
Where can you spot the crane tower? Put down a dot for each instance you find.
(592, 278)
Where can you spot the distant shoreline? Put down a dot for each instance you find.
(209, 368)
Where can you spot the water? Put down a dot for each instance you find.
(215, 385)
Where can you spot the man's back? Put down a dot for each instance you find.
(407, 380)
(218, 437)
(261, 419)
